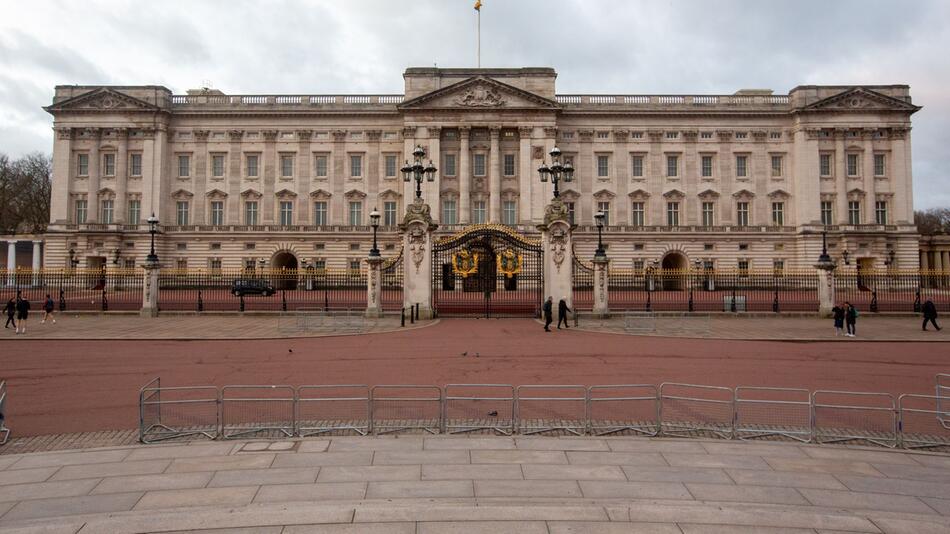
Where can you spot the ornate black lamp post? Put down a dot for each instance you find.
(600, 253)
(374, 222)
(152, 221)
(418, 169)
(557, 171)
(824, 258)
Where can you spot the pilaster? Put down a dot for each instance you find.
(558, 253)
(465, 176)
(494, 177)
(417, 227)
(601, 265)
(120, 211)
(525, 174)
(374, 302)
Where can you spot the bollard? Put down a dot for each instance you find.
(732, 305)
(417, 311)
(283, 300)
(874, 301)
(402, 318)
(775, 302)
(62, 300)
(242, 302)
(105, 302)
(412, 315)
(201, 304)
(690, 304)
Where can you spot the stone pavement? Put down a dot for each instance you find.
(415, 484)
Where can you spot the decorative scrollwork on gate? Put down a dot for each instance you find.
(464, 263)
(509, 263)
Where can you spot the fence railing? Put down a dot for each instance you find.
(105, 289)
(4, 431)
(671, 410)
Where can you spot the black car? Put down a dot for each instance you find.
(252, 287)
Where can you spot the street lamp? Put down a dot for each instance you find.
(600, 253)
(374, 222)
(557, 171)
(418, 169)
(825, 258)
(152, 221)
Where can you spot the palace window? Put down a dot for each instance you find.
(250, 213)
(478, 164)
(356, 213)
(135, 211)
(181, 264)
(509, 164)
(637, 215)
(389, 213)
(743, 268)
(182, 212)
(106, 214)
(826, 217)
(184, 166)
(449, 215)
(215, 265)
(672, 213)
(135, 165)
(637, 169)
(705, 135)
(320, 166)
(672, 166)
(286, 212)
(570, 212)
(108, 164)
(708, 213)
(778, 214)
(356, 165)
(880, 212)
(82, 164)
(251, 164)
(603, 166)
(286, 166)
(742, 213)
(742, 166)
(217, 166)
(320, 213)
(478, 212)
(707, 166)
(217, 212)
(824, 164)
(854, 212)
(449, 165)
(80, 212)
(605, 208)
(509, 212)
(390, 166)
(776, 165)
(852, 164)
(879, 165)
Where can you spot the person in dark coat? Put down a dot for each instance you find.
(930, 314)
(548, 313)
(22, 313)
(838, 313)
(11, 313)
(851, 319)
(562, 311)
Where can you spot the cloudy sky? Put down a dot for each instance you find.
(597, 46)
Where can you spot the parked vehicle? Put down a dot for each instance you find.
(252, 287)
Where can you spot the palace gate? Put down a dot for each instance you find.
(487, 270)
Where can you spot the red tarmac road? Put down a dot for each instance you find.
(75, 386)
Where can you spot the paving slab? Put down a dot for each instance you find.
(761, 449)
(51, 459)
(561, 444)
(746, 494)
(933, 460)
(420, 488)
(311, 492)
(861, 455)
(754, 477)
(359, 473)
(909, 526)
(677, 474)
(222, 463)
(143, 467)
(942, 506)
(169, 481)
(422, 457)
(236, 496)
(346, 528)
(573, 472)
(896, 486)
(257, 477)
(866, 501)
(63, 506)
(911, 472)
(734, 461)
(735, 529)
(472, 472)
(654, 445)
(368, 443)
(46, 490)
(248, 530)
(815, 465)
(481, 512)
(591, 527)
(50, 527)
(527, 488)
(634, 490)
(313, 445)
(317, 459)
(468, 443)
(23, 476)
(519, 457)
(8, 461)
(616, 458)
(750, 515)
(195, 450)
(482, 527)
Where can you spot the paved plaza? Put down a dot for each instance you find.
(414, 484)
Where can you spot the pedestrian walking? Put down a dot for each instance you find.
(22, 313)
(930, 314)
(562, 311)
(838, 313)
(851, 319)
(11, 313)
(48, 310)
(548, 313)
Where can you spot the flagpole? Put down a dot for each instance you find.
(478, 38)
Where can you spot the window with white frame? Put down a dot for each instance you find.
(604, 207)
(508, 164)
(320, 213)
(708, 213)
(108, 164)
(637, 215)
(182, 212)
(251, 165)
(509, 212)
(824, 164)
(854, 212)
(778, 214)
(570, 212)
(880, 212)
(135, 211)
(389, 213)
(217, 212)
(603, 166)
(250, 213)
(707, 166)
(478, 212)
(390, 166)
(672, 213)
(105, 215)
(184, 166)
(880, 168)
(356, 165)
(320, 166)
(742, 213)
(80, 211)
(135, 165)
(449, 215)
(672, 165)
(478, 164)
(826, 213)
(356, 213)
(637, 166)
(82, 164)
(776, 166)
(852, 165)
(286, 212)
(286, 165)
(217, 166)
(742, 166)
(449, 165)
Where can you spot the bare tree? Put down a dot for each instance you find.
(932, 221)
(25, 189)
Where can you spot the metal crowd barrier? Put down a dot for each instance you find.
(4, 431)
(672, 409)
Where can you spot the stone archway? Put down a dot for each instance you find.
(284, 270)
(674, 267)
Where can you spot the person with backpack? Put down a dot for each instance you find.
(851, 319)
(48, 310)
(838, 313)
(930, 314)
(548, 313)
(11, 313)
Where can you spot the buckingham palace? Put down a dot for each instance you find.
(745, 180)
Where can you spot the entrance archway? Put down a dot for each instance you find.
(284, 270)
(674, 266)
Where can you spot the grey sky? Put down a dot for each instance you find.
(362, 46)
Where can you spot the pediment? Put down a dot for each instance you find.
(182, 194)
(106, 192)
(285, 193)
(570, 194)
(743, 193)
(861, 99)
(604, 193)
(477, 94)
(250, 193)
(674, 193)
(709, 193)
(216, 193)
(389, 193)
(779, 193)
(320, 193)
(856, 192)
(103, 99)
(639, 193)
(354, 193)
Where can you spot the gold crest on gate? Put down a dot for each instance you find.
(464, 263)
(509, 263)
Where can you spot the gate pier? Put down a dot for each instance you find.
(558, 247)
(417, 227)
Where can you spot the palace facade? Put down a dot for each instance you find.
(747, 180)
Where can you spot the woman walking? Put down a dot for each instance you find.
(851, 318)
(11, 313)
(838, 313)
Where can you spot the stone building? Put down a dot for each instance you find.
(743, 180)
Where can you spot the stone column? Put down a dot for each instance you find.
(11, 262)
(150, 290)
(585, 173)
(417, 230)
(826, 287)
(92, 204)
(841, 179)
(120, 210)
(234, 174)
(558, 259)
(269, 180)
(199, 162)
(465, 176)
(524, 174)
(304, 164)
(433, 191)
(494, 177)
(64, 173)
(374, 302)
(600, 286)
(338, 207)
(37, 256)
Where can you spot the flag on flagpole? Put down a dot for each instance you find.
(478, 5)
